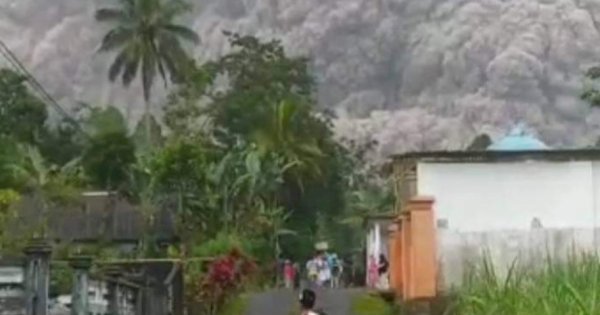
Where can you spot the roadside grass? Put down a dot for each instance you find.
(372, 304)
(564, 287)
(237, 306)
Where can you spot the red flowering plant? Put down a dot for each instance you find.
(226, 277)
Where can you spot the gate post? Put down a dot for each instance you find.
(422, 260)
(79, 294)
(394, 259)
(37, 277)
(113, 291)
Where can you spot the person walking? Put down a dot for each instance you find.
(372, 272)
(296, 275)
(307, 302)
(312, 271)
(382, 270)
(289, 274)
(336, 266)
(323, 269)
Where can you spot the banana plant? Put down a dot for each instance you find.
(49, 184)
(287, 133)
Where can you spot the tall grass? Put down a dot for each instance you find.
(570, 287)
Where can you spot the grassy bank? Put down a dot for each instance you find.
(237, 306)
(372, 304)
(556, 288)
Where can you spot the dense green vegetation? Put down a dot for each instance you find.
(372, 304)
(249, 162)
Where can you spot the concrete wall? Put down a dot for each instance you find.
(475, 197)
(377, 238)
(457, 250)
(489, 209)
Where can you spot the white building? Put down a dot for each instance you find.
(517, 200)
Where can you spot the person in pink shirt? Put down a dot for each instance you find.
(372, 272)
(289, 274)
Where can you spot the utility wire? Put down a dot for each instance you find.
(36, 86)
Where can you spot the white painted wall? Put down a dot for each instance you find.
(457, 251)
(506, 196)
(489, 208)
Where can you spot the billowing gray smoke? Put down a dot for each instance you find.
(411, 74)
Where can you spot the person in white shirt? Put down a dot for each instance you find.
(312, 270)
(324, 270)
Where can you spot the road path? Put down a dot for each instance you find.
(285, 302)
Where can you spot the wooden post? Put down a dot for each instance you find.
(37, 277)
(139, 301)
(79, 293)
(114, 273)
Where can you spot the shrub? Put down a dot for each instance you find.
(222, 244)
(371, 304)
(226, 278)
(568, 287)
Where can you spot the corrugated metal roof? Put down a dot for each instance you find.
(501, 156)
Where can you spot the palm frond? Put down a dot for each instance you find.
(150, 7)
(170, 9)
(110, 15)
(117, 66)
(116, 38)
(182, 32)
(130, 71)
(172, 55)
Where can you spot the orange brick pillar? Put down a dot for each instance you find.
(422, 261)
(393, 256)
(399, 272)
(406, 254)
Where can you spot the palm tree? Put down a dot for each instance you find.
(145, 36)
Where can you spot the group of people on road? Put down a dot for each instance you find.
(325, 270)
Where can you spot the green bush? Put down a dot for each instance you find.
(569, 287)
(236, 306)
(222, 244)
(371, 304)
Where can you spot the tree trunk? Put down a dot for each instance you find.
(147, 123)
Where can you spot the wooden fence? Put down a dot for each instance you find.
(125, 288)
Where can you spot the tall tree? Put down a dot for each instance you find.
(109, 152)
(22, 115)
(145, 35)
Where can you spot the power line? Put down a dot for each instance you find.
(36, 86)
